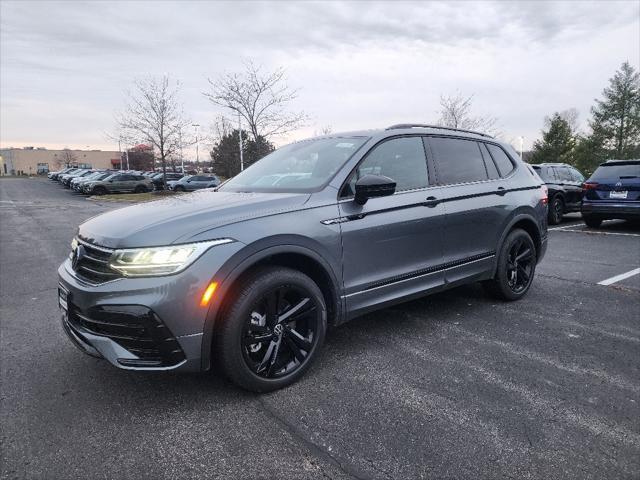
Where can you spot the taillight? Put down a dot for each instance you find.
(589, 186)
(545, 194)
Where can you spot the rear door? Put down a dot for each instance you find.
(392, 246)
(476, 203)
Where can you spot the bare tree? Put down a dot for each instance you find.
(154, 115)
(456, 112)
(260, 98)
(66, 158)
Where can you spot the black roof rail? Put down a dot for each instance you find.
(420, 125)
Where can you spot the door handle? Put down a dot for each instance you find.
(431, 202)
(501, 191)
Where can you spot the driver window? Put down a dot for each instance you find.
(401, 159)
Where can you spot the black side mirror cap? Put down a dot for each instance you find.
(371, 186)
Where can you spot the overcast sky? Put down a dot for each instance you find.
(64, 66)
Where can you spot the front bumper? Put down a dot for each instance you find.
(625, 211)
(153, 323)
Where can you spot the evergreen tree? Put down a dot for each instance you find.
(225, 155)
(557, 142)
(616, 118)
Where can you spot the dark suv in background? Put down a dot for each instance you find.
(565, 188)
(612, 192)
(251, 274)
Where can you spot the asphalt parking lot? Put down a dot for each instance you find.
(450, 386)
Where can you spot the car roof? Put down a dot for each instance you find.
(403, 128)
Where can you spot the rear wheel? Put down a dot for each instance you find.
(556, 209)
(591, 221)
(516, 267)
(270, 333)
(140, 189)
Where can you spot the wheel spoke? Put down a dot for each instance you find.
(298, 339)
(272, 308)
(524, 273)
(267, 357)
(297, 352)
(253, 339)
(286, 316)
(274, 357)
(526, 255)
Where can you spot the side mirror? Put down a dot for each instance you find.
(371, 186)
(110, 181)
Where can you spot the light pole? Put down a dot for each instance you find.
(196, 126)
(240, 135)
(120, 152)
(521, 145)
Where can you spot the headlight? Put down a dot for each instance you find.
(142, 262)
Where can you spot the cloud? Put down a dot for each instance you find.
(357, 64)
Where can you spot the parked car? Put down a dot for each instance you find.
(119, 183)
(171, 176)
(66, 178)
(250, 276)
(66, 171)
(194, 182)
(54, 175)
(565, 188)
(66, 182)
(78, 183)
(612, 192)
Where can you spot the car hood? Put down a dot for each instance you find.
(179, 218)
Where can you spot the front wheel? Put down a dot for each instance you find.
(179, 188)
(99, 191)
(140, 189)
(516, 267)
(269, 335)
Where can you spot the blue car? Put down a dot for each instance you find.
(612, 192)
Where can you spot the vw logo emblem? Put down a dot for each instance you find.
(78, 254)
(618, 185)
(278, 329)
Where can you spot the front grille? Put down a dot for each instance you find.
(135, 328)
(93, 265)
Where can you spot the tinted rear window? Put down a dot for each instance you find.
(502, 160)
(615, 171)
(458, 161)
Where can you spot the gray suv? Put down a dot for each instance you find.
(119, 183)
(249, 276)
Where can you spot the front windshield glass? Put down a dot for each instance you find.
(299, 167)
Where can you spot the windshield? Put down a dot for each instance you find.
(614, 171)
(298, 167)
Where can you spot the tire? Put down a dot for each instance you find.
(140, 189)
(591, 221)
(99, 191)
(179, 188)
(556, 209)
(513, 279)
(253, 366)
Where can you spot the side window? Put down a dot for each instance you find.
(401, 159)
(577, 176)
(502, 160)
(489, 163)
(117, 178)
(458, 161)
(564, 174)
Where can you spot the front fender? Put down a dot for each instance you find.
(251, 255)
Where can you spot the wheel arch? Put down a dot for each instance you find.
(294, 256)
(527, 222)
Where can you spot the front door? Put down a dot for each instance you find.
(392, 246)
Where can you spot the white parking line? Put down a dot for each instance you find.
(622, 276)
(596, 232)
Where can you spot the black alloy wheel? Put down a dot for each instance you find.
(280, 332)
(520, 265)
(515, 267)
(270, 332)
